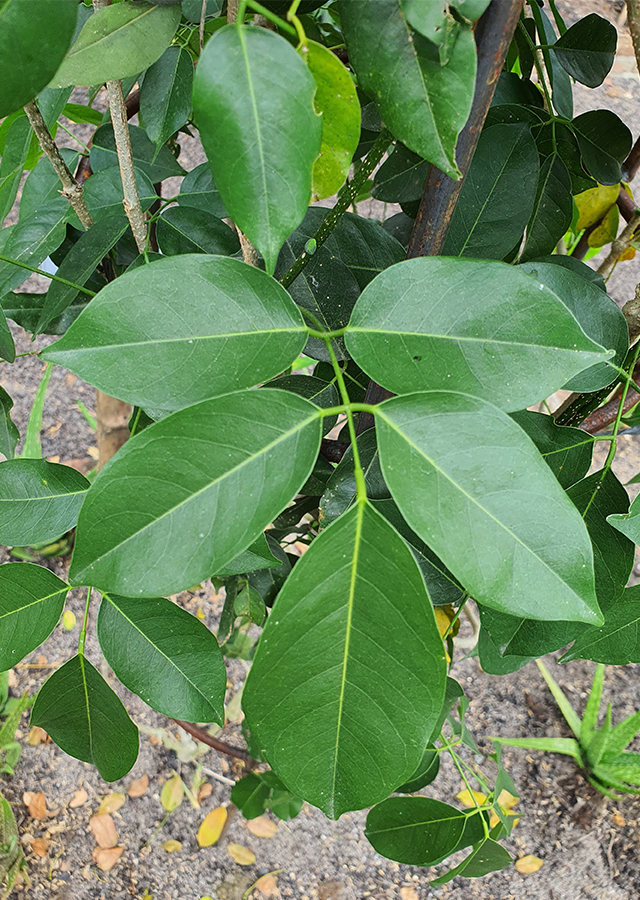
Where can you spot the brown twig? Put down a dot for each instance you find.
(606, 415)
(620, 245)
(221, 746)
(632, 163)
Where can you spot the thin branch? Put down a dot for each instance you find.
(606, 415)
(620, 245)
(70, 187)
(632, 163)
(221, 746)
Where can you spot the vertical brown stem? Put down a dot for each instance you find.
(113, 426)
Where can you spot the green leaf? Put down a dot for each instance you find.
(79, 264)
(567, 710)
(256, 557)
(617, 642)
(14, 157)
(424, 103)
(552, 211)
(487, 856)
(31, 603)
(32, 241)
(604, 142)
(118, 41)
(165, 656)
(401, 177)
(621, 736)
(34, 37)
(183, 229)
(32, 448)
(7, 346)
(628, 523)
(25, 310)
(337, 101)
(156, 165)
(567, 451)
(498, 194)
(260, 132)
(509, 341)
(9, 435)
(426, 772)
(537, 566)
(86, 719)
(592, 709)
(39, 501)
(198, 190)
(51, 101)
(558, 141)
(314, 389)
(489, 657)
(43, 184)
(566, 746)
(217, 325)
(80, 114)
(420, 831)
(165, 95)
(341, 489)
(251, 450)
(561, 88)
(322, 679)
(587, 50)
(251, 795)
(103, 192)
(598, 315)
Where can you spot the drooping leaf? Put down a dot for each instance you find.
(198, 190)
(250, 81)
(164, 655)
(322, 678)
(86, 719)
(9, 435)
(594, 203)
(561, 88)
(184, 229)
(118, 41)
(31, 603)
(165, 95)
(487, 856)
(251, 450)
(604, 141)
(552, 210)
(425, 104)
(426, 772)
(587, 50)
(34, 37)
(509, 341)
(156, 165)
(498, 194)
(515, 564)
(401, 177)
(25, 309)
(103, 193)
(336, 99)
(32, 241)
(255, 558)
(617, 642)
(567, 451)
(39, 501)
(182, 330)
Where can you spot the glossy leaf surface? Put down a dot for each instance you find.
(182, 330)
(617, 642)
(251, 450)
(323, 681)
(567, 451)
(198, 190)
(587, 49)
(9, 435)
(32, 241)
(464, 499)
(183, 229)
(164, 655)
(401, 177)
(249, 83)
(31, 603)
(604, 142)
(155, 167)
(165, 95)
(508, 341)
(86, 719)
(103, 192)
(552, 209)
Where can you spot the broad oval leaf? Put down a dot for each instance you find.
(103, 192)
(165, 95)
(198, 190)
(86, 719)
(118, 41)
(567, 451)
(604, 141)
(323, 680)
(31, 603)
(39, 501)
(424, 103)
(183, 229)
(156, 165)
(165, 656)
(426, 772)
(401, 177)
(253, 101)
(467, 325)
(552, 210)
(182, 330)
(163, 514)
(32, 240)
(460, 470)
(420, 831)
(34, 37)
(617, 642)
(587, 49)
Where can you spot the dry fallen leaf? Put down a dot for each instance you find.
(268, 886)
(111, 803)
(26, 798)
(104, 831)
(40, 846)
(528, 864)
(79, 799)
(467, 798)
(262, 827)
(408, 893)
(618, 819)
(106, 859)
(37, 805)
(204, 792)
(211, 827)
(172, 793)
(171, 846)
(37, 736)
(242, 855)
(139, 787)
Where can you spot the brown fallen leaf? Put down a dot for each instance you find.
(268, 886)
(211, 827)
(111, 803)
(26, 798)
(104, 831)
(204, 792)
(172, 846)
(139, 787)
(37, 805)
(37, 736)
(40, 846)
(242, 855)
(527, 865)
(408, 893)
(106, 859)
(79, 799)
(172, 793)
(262, 827)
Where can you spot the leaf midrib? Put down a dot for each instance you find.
(177, 340)
(110, 34)
(15, 612)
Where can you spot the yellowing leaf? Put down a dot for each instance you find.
(37, 736)
(68, 620)
(629, 253)
(466, 798)
(111, 803)
(172, 846)
(262, 827)
(607, 230)
(172, 793)
(442, 619)
(211, 827)
(242, 855)
(507, 800)
(139, 787)
(593, 204)
(528, 864)
(268, 886)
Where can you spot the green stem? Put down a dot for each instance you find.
(75, 137)
(22, 265)
(259, 8)
(85, 622)
(455, 618)
(346, 196)
(616, 425)
(536, 62)
(361, 487)
(456, 762)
